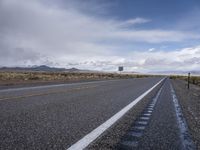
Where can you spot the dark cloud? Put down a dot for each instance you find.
(194, 60)
(18, 56)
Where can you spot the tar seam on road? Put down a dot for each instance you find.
(47, 93)
(186, 140)
(131, 139)
(89, 138)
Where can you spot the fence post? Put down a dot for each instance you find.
(189, 80)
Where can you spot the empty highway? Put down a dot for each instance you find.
(58, 116)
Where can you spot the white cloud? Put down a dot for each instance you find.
(134, 22)
(185, 59)
(154, 36)
(151, 49)
(33, 32)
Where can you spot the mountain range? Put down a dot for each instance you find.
(42, 68)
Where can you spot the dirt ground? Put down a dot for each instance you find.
(24, 79)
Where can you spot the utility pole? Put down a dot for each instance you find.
(189, 80)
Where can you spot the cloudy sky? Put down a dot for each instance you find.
(141, 35)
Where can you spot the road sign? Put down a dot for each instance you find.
(121, 68)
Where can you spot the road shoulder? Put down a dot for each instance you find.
(190, 104)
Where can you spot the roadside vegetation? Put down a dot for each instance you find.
(193, 79)
(10, 78)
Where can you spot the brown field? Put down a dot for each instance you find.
(11, 78)
(193, 79)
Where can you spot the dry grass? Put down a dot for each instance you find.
(193, 79)
(16, 77)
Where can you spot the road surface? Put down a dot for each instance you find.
(160, 126)
(73, 116)
(56, 116)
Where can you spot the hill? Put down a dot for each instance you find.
(42, 68)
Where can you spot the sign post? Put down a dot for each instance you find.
(189, 80)
(121, 68)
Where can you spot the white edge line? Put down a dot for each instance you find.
(186, 140)
(89, 138)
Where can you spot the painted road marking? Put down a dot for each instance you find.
(47, 93)
(150, 108)
(142, 122)
(147, 114)
(149, 111)
(136, 134)
(144, 118)
(139, 126)
(186, 139)
(89, 138)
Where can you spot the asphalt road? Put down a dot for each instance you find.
(160, 126)
(57, 116)
(163, 130)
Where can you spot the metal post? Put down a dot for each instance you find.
(189, 80)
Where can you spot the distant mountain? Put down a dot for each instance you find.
(195, 72)
(72, 70)
(46, 68)
(42, 68)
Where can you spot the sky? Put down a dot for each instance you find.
(141, 35)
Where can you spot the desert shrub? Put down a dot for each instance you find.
(34, 78)
(52, 76)
(193, 79)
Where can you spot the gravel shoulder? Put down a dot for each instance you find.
(190, 103)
